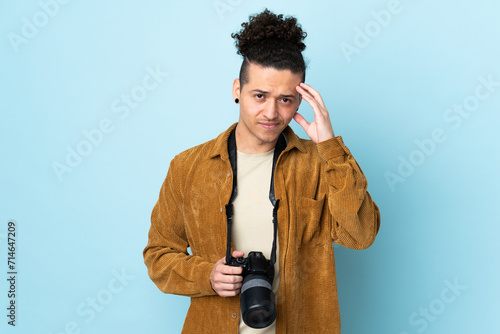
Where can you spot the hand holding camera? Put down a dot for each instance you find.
(226, 280)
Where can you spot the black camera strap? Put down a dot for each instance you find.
(231, 145)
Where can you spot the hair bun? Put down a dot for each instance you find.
(268, 26)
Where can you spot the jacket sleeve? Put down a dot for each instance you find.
(169, 264)
(355, 218)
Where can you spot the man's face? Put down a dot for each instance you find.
(268, 102)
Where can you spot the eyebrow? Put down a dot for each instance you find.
(264, 92)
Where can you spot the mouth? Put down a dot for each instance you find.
(269, 126)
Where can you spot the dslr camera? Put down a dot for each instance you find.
(257, 297)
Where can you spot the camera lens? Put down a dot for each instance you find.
(257, 304)
(259, 316)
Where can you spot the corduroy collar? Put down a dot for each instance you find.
(220, 146)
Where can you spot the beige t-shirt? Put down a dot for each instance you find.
(252, 228)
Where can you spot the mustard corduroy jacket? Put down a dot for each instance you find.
(323, 197)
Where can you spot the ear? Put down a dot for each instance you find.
(300, 101)
(236, 89)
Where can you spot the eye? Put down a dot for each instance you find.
(259, 96)
(286, 100)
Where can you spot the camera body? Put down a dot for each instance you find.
(257, 297)
(255, 264)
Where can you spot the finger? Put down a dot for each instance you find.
(221, 267)
(320, 112)
(229, 286)
(301, 120)
(234, 254)
(221, 261)
(228, 293)
(230, 270)
(312, 91)
(304, 92)
(227, 283)
(313, 102)
(228, 274)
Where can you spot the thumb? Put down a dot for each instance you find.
(237, 253)
(301, 120)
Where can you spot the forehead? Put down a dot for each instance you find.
(270, 78)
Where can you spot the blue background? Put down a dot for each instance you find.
(82, 228)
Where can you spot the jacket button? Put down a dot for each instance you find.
(234, 315)
(221, 209)
(229, 174)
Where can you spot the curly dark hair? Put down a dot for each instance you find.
(271, 41)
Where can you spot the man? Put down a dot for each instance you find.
(320, 187)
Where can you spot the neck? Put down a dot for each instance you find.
(247, 143)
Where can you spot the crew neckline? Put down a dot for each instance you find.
(255, 156)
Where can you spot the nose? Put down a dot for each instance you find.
(270, 110)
